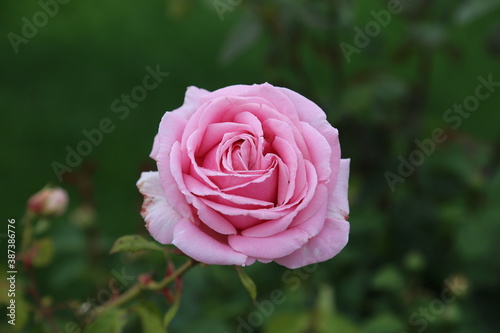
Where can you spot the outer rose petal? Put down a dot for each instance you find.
(338, 207)
(160, 217)
(204, 248)
(156, 148)
(312, 114)
(327, 244)
(191, 102)
(276, 96)
(306, 109)
(270, 247)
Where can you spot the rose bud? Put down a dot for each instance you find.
(49, 202)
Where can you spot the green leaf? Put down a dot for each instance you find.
(171, 312)
(41, 226)
(44, 252)
(150, 319)
(337, 324)
(289, 322)
(133, 243)
(247, 282)
(384, 323)
(111, 321)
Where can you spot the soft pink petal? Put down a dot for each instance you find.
(306, 109)
(251, 120)
(310, 203)
(274, 96)
(212, 219)
(206, 248)
(172, 183)
(289, 156)
(319, 150)
(332, 136)
(192, 145)
(338, 206)
(287, 131)
(328, 243)
(311, 113)
(156, 147)
(199, 189)
(215, 132)
(264, 187)
(192, 100)
(261, 214)
(160, 217)
(272, 247)
(173, 122)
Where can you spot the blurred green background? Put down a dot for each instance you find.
(408, 245)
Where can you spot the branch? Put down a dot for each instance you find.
(140, 287)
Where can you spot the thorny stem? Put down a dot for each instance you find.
(26, 257)
(140, 287)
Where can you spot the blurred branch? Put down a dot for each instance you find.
(139, 287)
(27, 255)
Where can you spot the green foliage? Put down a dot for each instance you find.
(171, 312)
(150, 319)
(133, 243)
(247, 282)
(111, 321)
(44, 252)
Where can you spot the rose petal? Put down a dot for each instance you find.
(338, 207)
(160, 217)
(320, 151)
(290, 159)
(271, 247)
(213, 219)
(274, 96)
(310, 203)
(156, 147)
(215, 132)
(251, 120)
(177, 117)
(261, 214)
(172, 183)
(306, 109)
(327, 244)
(263, 188)
(204, 247)
(199, 189)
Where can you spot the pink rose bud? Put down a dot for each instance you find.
(49, 202)
(245, 174)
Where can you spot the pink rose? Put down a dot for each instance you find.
(248, 173)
